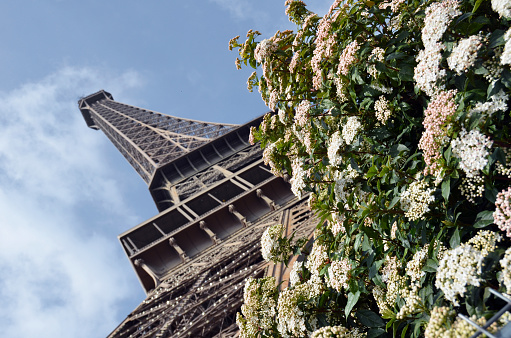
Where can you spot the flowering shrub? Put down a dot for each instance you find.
(393, 116)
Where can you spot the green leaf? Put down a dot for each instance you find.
(393, 202)
(369, 318)
(371, 172)
(476, 6)
(403, 333)
(454, 242)
(375, 332)
(352, 300)
(497, 39)
(483, 219)
(431, 266)
(446, 189)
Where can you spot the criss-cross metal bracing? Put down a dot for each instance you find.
(200, 298)
(147, 139)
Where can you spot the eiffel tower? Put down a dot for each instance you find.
(215, 198)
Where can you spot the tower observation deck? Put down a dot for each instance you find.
(215, 198)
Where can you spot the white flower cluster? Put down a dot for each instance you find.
(379, 297)
(414, 267)
(269, 156)
(502, 214)
(317, 258)
(337, 332)
(383, 89)
(395, 283)
(505, 169)
(439, 318)
(393, 4)
(472, 149)
(416, 199)
(337, 224)
(378, 54)
(505, 58)
(438, 17)
(259, 307)
(292, 306)
(441, 325)
(339, 274)
(270, 242)
(343, 179)
(427, 73)
(498, 102)
(264, 49)
(302, 113)
(505, 264)
(493, 67)
(464, 55)
(485, 241)
(462, 266)
(304, 136)
(382, 109)
(298, 179)
(350, 129)
(413, 302)
(472, 188)
(294, 275)
(334, 144)
(503, 7)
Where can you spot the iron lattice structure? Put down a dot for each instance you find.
(216, 197)
(147, 139)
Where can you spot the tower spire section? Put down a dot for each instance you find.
(147, 139)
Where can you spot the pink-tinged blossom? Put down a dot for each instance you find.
(441, 108)
(274, 97)
(503, 7)
(347, 58)
(264, 49)
(302, 113)
(251, 138)
(294, 62)
(393, 4)
(325, 42)
(502, 214)
(464, 55)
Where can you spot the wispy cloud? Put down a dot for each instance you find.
(240, 9)
(60, 269)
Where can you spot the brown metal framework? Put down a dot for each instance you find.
(147, 139)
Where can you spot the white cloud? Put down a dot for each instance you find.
(239, 9)
(62, 273)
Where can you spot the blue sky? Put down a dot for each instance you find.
(65, 191)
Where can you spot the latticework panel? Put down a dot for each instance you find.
(204, 179)
(201, 297)
(148, 139)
